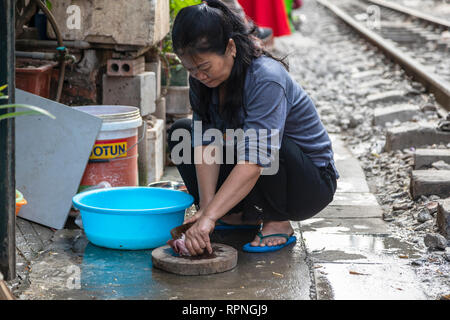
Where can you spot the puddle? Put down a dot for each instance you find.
(107, 274)
(368, 282)
(116, 274)
(357, 248)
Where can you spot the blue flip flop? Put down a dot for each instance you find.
(289, 239)
(227, 226)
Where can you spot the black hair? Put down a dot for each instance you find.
(208, 27)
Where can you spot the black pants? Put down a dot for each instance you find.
(298, 191)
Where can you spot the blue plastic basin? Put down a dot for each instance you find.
(131, 218)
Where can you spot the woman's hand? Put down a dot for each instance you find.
(197, 236)
(195, 217)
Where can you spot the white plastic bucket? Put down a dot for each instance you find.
(114, 155)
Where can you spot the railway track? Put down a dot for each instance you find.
(417, 42)
(435, 8)
(362, 94)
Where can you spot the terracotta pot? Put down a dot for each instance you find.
(34, 76)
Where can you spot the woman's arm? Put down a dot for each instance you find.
(207, 177)
(239, 183)
(236, 187)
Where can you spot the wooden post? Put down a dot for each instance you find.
(7, 157)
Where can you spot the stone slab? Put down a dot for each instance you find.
(430, 182)
(134, 22)
(414, 135)
(367, 74)
(386, 96)
(354, 199)
(340, 149)
(443, 218)
(352, 178)
(345, 226)
(399, 112)
(426, 157)
(345, 211)
(366, 282)
(137, 91)
(374, 83)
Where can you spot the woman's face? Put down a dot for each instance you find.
(210, 68)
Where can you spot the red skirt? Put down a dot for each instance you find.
(268, 13)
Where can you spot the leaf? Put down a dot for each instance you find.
(177, 5)
(48, 4)
(3, 87)
(32, 111)
(16, 114)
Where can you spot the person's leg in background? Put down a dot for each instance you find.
(262, 33)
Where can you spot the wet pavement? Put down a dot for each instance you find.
(353, 254)
(73, 268)
(344, 252)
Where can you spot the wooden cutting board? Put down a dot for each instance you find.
(222, 259)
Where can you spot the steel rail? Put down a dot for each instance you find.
(432, 82)
(412, 12)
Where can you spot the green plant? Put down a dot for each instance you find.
(32, 110)
(169, 59)
(48, 4)
(177, 5)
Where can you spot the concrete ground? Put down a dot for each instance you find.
(344, 252)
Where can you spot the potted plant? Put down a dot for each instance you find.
(33, 75)
(174, 73)
(29, 110)
(175, 77)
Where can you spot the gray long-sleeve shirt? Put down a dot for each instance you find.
(277, 103)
